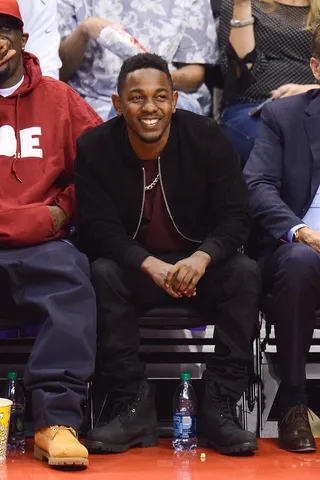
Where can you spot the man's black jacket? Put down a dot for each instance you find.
(201, 179)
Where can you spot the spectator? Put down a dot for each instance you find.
(43, 277)
(283, 178)
(182, 242)
(40, 20)
(182, 31)
(265, 54)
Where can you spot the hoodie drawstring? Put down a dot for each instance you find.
(18, 148)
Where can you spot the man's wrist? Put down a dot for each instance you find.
(303, 235)
(203, 256)
(148, 264)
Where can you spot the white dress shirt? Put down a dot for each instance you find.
(40, 21)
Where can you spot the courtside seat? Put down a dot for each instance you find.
(17, 343)
(164, 351)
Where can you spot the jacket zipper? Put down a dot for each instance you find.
(168, 209)
(142, 206)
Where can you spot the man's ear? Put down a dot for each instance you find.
(175, 97)
(315, 67)
(24, 39)
(117, 103)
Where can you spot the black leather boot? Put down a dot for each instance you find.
(219, 427)
(295, 433)
(134, 425)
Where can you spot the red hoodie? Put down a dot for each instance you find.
(39, 126)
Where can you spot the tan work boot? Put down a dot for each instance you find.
(60, 446)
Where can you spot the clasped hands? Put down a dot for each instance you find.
(179, 280)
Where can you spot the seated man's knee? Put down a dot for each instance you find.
(64, 257)
(247, 271)
(104, 270)
(299, 259)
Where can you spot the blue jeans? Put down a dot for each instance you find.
(241, 129)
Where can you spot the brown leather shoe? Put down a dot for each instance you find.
(294, 430)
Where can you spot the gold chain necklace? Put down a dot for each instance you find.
(154, 183)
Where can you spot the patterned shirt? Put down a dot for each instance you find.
(181, 31)
(281, 56)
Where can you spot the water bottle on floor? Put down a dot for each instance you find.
(184, 415)
(15, 393)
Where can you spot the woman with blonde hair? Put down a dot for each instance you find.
(265, 52)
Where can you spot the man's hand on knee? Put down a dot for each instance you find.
(158, 271)
(184, 276)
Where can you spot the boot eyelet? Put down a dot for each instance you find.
(133, 410)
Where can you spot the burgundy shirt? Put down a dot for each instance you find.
(157, 232)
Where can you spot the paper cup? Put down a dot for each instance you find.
(5, 410)
(3, 470)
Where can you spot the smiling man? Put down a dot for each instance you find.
(163, 210)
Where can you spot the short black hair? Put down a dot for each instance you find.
(315, 49)
(143, 60)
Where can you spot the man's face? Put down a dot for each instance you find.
(147, 104)
(10, 32)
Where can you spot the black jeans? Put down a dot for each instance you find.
(292, 275)
(229, 291)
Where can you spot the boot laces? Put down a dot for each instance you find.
(297, 412)
(58, 428)
(225, 407)
(124, 410)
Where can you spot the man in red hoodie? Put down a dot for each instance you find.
(43, 277)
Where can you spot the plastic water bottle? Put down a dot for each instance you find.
(14, 392)
(184, 415)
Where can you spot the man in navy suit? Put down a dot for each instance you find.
(283, 176)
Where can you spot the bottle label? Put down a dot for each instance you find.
(184, 426)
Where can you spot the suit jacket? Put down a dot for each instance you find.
(283, 171)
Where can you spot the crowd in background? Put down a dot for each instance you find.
(267, 59)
